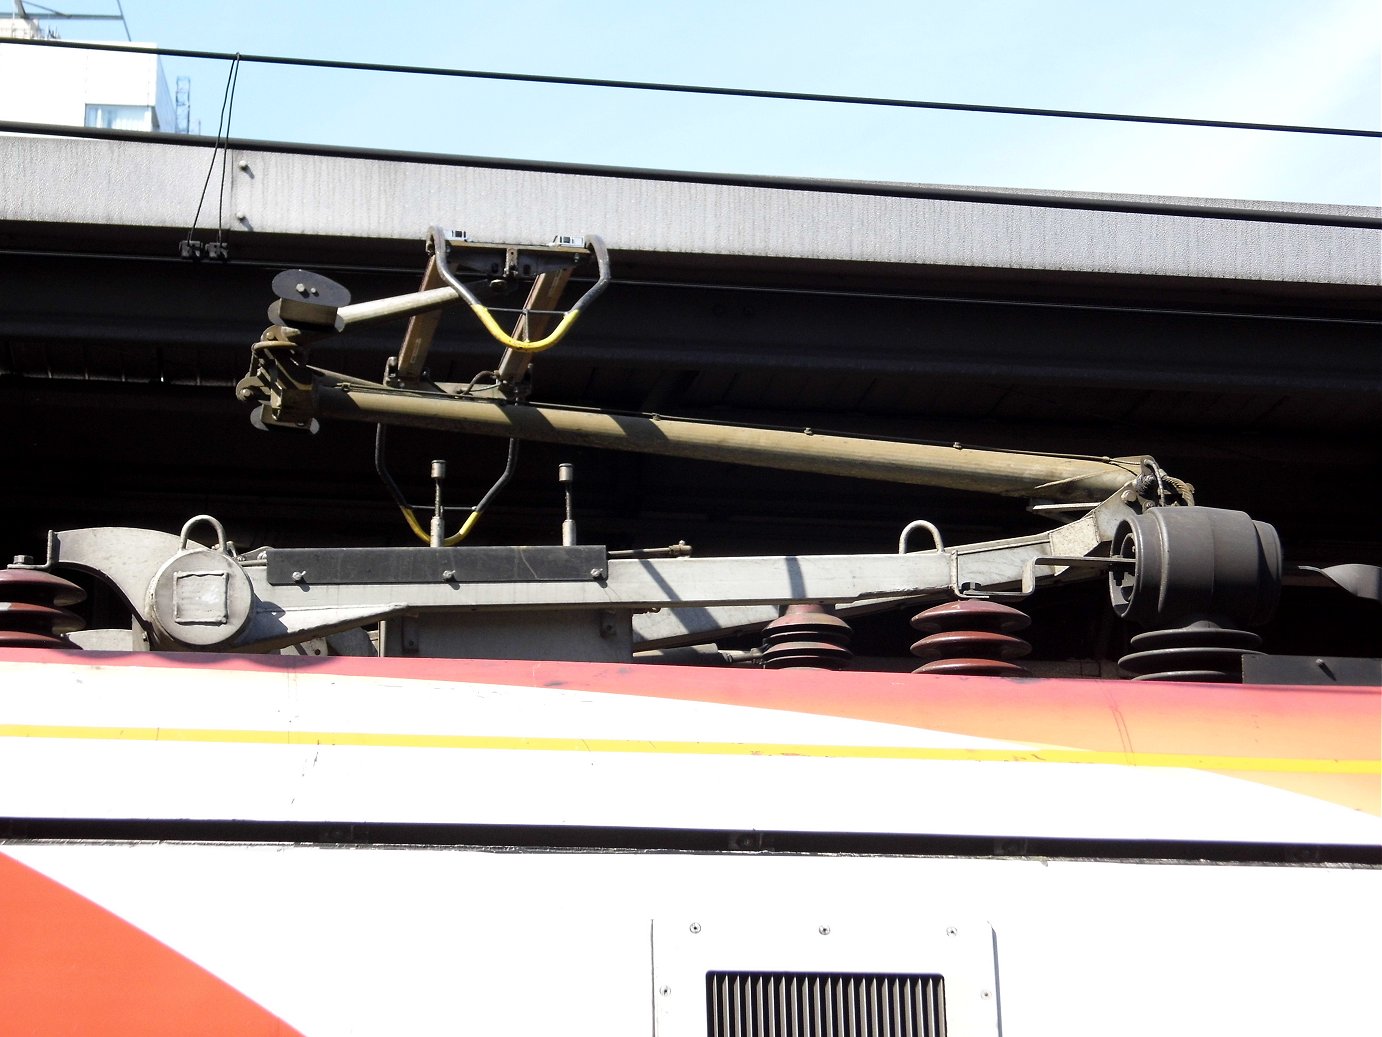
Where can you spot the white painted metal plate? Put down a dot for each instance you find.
(828, 940)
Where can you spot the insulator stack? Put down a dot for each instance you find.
(971, 638)
(31, 609)
(1203, 652)
(807, 637)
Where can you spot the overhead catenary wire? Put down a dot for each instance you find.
(719, 91)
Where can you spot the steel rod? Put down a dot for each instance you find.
(954, 467)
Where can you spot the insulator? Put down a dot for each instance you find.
(1202, 652)
(807, 636)
(971, 638)
(31, 612)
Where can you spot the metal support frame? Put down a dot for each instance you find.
(288, 605)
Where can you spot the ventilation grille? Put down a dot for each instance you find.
(822, 1004)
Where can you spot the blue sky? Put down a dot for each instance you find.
(1287, 61)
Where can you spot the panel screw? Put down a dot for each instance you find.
(985, 994)
(695, 927)
(950, 930)
(824, 930)
(664, 991)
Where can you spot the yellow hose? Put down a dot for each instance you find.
(460, 534)
(451, 541)
(563, 326)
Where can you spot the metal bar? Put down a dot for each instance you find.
(361, 313)
(920, 464)
(417, 339)
(544, 295)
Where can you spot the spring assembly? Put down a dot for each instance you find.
(1203, 652)
(807, 637)
(31, 609)
(971, 638)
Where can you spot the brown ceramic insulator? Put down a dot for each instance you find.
(31, 615)
(807, 636)
(973, 668)
(971, 614)
(38, 588)
(971, 638)
(29, 639)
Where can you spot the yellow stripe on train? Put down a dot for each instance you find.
(1198, 761)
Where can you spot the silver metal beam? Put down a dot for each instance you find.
(279, 615)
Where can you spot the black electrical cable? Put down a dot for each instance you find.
(221, 144)
(860, 295)
(225, 147)
(717, 91)
(381, 468)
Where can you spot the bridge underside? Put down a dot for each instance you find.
(117, 364)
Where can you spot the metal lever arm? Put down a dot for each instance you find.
(436, 238)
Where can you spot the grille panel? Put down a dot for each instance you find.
(824, 1004)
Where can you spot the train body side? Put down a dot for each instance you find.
(345, 846)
